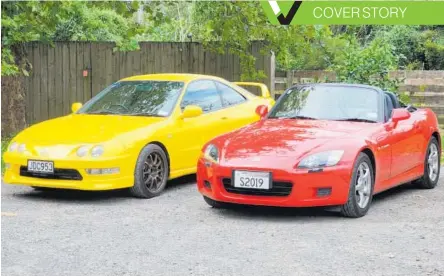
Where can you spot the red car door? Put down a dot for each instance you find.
(406, 146)
(383, 138)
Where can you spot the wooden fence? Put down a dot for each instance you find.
(425, 88)
(70, 72)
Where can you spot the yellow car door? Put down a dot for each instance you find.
(238, 110)
(193, 133)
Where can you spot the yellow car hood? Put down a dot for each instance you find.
(84, 128)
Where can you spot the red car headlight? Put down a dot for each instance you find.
(321, 159)
(211, 153)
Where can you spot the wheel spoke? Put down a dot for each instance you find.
(359, 185)
(365, 175)
(361, 198)
(367, 189)
(361, 171)
(434, 155)
(156, 183)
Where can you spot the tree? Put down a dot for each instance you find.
(234, 25)
(48, 21)
(96, 24)
(368, 65)
(412, 44)
(176, 24)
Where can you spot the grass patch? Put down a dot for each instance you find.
(5, 143)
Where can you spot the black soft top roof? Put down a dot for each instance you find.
(340, 85)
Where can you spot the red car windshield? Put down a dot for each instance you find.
(319, 102)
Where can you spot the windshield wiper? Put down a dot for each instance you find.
(357, 120)
(102, 112)
(144, 114)
(302, 117)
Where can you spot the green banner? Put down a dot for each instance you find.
(355, 12)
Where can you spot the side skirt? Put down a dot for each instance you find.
(401, 179)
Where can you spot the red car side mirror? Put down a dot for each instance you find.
(262, 111)
(400, 114)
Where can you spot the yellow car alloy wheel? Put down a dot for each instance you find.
(151, 172)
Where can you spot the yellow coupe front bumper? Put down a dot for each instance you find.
(16, 174)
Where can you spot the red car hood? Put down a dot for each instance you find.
(278, 139)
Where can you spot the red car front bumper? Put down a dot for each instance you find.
(297, 188)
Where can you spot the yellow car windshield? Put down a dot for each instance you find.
(135, 98)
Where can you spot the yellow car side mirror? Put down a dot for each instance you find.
(191, 111)
(75, 107)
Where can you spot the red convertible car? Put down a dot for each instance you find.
(323, 145)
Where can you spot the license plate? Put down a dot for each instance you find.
(40, 166)
(252, 180)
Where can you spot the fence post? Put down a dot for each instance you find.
(272, 78)
(290, 76)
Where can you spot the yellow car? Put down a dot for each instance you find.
(138, 133)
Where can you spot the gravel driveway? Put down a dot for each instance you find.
(110, 233)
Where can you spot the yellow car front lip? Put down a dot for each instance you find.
(123, 179)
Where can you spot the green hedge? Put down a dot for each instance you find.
(434, 55)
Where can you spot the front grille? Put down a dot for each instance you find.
(278, 189)
(65, 174)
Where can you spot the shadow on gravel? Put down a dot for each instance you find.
(394, 193)
(277, 213)
(181, 182)
(285, 213)
(92, 196)
(73, 195)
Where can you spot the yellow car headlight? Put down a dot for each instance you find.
(82, 151)
(13, 146)
(21, 148)
(97, 151)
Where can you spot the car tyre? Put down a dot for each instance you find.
(361, 188)
(215, 204)
(432, 166)
(151, 172)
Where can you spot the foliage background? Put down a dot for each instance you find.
(356, 53)
(359, 54)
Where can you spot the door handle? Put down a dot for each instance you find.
(224, 118)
